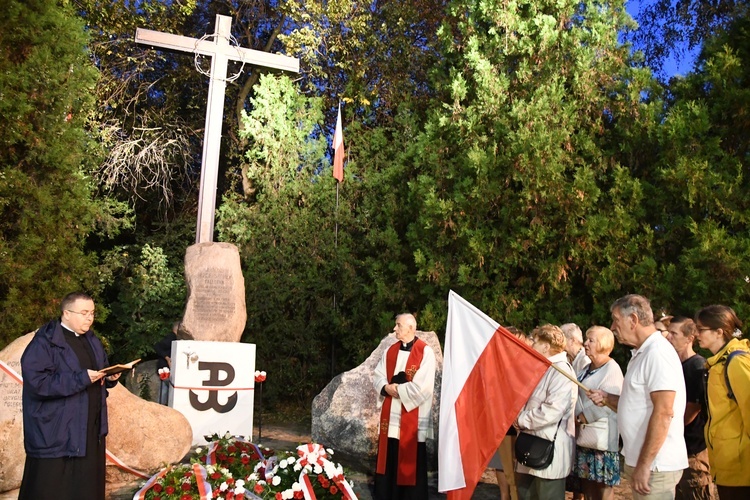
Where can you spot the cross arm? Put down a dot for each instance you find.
(210, 48)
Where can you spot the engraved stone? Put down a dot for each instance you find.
(12, 456)
(215, 307)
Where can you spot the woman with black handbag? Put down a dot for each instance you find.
(546, 442)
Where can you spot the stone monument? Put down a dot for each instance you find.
(345, 414)
(215, 308)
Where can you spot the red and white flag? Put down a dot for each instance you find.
(338, 150)
(488, 375)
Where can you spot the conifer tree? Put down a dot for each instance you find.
(46, 209)
(701, 208)
(528, 204)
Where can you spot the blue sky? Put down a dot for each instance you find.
(673, 66)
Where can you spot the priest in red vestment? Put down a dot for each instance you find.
(405, 381)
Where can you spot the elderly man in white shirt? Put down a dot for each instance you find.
(549, 414)
(651, 405)
(405, 380)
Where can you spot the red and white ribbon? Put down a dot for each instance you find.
(122, 465)
(11, 372)
(345, 487)
(311, 453)
(307, 488)
(141, 494)
(201, 480)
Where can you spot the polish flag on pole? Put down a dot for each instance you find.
(338, 150)
(488, 375)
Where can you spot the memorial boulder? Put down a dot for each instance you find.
(137, 433)
(345, 414)
(215, 308)
(11, 420)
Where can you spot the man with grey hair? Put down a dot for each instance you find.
(405, 380)
(574, 347)
(653, 394)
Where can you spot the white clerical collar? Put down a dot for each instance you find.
(69, 328)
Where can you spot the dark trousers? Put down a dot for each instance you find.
(536, 488)
(385, 484)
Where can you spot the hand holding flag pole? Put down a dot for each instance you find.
(579, 384)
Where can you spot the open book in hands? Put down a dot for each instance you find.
(114, 369)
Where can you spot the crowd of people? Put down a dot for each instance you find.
(675, 424)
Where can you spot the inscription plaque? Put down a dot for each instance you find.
(213, 295)
(215, 308)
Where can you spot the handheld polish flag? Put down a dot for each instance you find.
(488, 375)
(338, 150)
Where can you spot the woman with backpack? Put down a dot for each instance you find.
(728, 391)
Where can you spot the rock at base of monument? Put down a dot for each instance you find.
(136, 431)
(345, 414)
(215, 308)
(12, 456)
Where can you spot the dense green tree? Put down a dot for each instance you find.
(701, 181)
(327, 267)
(46, 207)
(286, 237)
(151, 297)
(150, 107)
(375, 58)
(527, 206)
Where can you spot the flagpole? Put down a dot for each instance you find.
(579, 384)
(338, 141)
(335, 246)
(336, 230)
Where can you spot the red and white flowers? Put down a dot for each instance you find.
(232, 468)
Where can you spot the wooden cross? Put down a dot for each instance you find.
(221, 52)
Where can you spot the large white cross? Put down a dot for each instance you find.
(221, 52)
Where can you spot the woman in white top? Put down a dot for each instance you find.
(549, 414)
(597, 458)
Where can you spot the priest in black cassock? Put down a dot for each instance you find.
(405, 380)
(65, 407)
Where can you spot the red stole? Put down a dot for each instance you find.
(407, 443)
